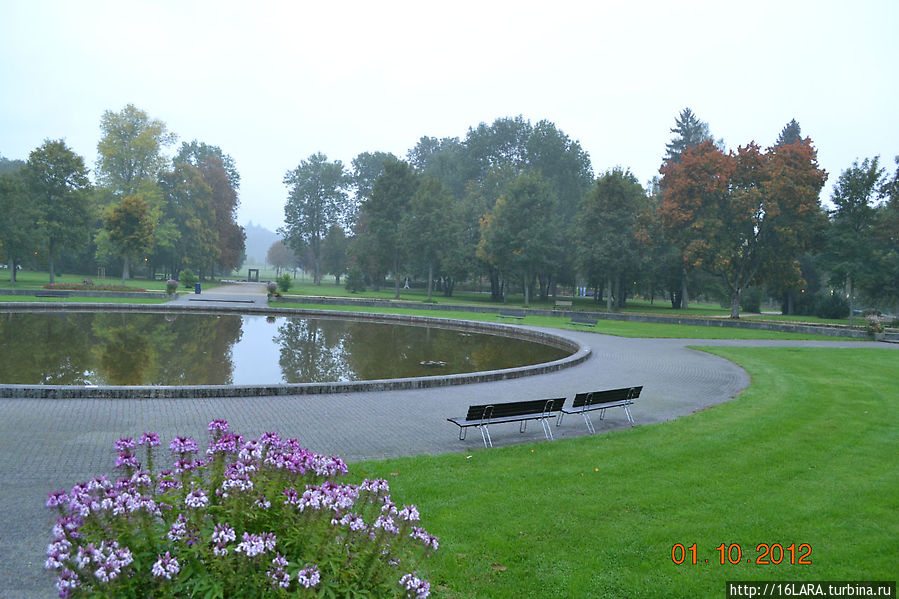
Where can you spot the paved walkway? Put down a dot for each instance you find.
(52, 444)
(231, 294)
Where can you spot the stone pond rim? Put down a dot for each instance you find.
(578, 353)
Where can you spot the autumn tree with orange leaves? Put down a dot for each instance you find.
(745, 216)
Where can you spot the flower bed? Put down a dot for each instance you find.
(256, 518)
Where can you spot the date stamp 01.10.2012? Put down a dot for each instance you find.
(732, 554)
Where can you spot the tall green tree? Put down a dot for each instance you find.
(219, 171)
(317, 199)
(886, 231)
(383, 216)
(688, 131)
(850, 248)
(790, 134)
(57, 180)
(130, 227)
(606, 231)
(188, 207)
(512, 239)
(19, 224)
(426, 230)
(335, 247)
(130, 149)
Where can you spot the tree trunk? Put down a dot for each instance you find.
(126, 274)
(396, 276)
(526, 290)
(12, 271)
(430, 280)
(608, 293)
(735, 302)
(851, 302)
(52, 266)
(683, 289)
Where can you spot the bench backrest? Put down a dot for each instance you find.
(600, 397)
(581, 318)
(514, 408)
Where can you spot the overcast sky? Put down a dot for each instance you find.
(273, 82)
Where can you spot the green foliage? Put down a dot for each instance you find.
(831, 305)
(354, 281)
(284, 282)
(130, 149)
(188, 278)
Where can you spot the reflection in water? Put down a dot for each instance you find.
(126, 348)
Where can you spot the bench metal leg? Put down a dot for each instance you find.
(589, 422)
(462, 431)
(523, 427)
(547, 429)
(485, 435)
(559, 419)
(630, 418)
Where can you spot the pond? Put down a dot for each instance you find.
(128, 348)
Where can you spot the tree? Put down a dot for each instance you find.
(790, 134)
(850, 249)
(383, 214)
(886, 230)
(279, 256)
(514, 237)
(367, 167)
(57, 181)
(219, 171)
(130, 227)
(317, 199)
(688, 131)
(744, 216)
(335, 246)
(426, 231)
(129, 151)
(19, 225)
(188, 207)
(606, 230)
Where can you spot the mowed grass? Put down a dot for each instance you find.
(806, 455)
(608, 327)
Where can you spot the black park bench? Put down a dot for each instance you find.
(602, 400)
(514, 314)
(579, 319)
(516, 411)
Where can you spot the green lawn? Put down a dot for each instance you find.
(82, 300)
(32, 279)
(806, 455)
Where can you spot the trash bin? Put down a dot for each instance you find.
(197, 288)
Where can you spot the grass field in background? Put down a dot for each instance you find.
(806, 455)
(620, 328)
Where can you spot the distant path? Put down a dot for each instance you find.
(53, 444)
(228, 294)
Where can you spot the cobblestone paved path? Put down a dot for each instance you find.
(52, 444)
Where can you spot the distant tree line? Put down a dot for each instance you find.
(515, 206)
(141, 208)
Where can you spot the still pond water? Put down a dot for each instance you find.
(121, 348)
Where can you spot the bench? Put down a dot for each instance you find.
(52, 293)
(516, 314)
(516, 411)
(562, 304)
(602, 400)
(581, 320)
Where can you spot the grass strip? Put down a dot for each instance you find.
(619, 328)
(806, 455)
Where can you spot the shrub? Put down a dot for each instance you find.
(354, 281)
(873, 324)
(284, 282)
(257, 518)
(271, 289)
(751, 300)
(188, 278)
(171, 286)
(831, 306)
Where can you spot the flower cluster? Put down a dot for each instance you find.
(245, 518)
